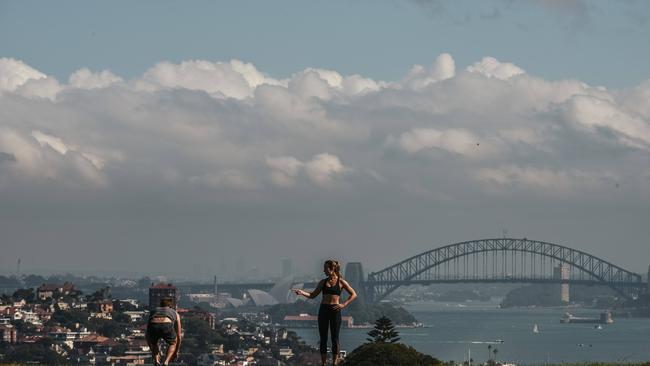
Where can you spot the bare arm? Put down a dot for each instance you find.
(313, 294)
(179, 332)
(350, 290)
(179, 329)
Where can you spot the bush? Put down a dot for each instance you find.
(388, 354)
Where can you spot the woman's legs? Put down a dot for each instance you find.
(323, 323)
(170, 352)
(153, 347)
(335, 329)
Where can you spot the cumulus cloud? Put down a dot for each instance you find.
(234, 79)
(222, 147)
(284, 169)
(596, 113)
(41, 156)
(491, 67)
(322, 169)
(51, 141)
(418, 77)
(14, 73)
(456, 141)
(85, 79)
(325, 84)
(209, 128)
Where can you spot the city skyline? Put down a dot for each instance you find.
(172, 139)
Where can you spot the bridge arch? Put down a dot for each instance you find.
(382, 283)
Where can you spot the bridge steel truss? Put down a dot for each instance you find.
(419, 269)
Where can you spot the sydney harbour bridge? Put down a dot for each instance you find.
(501, 260)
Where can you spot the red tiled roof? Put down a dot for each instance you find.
(93, 338)
(163, 286)
(110, 343)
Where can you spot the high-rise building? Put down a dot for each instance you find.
(563, 272)
(287, 267)
(161, 290)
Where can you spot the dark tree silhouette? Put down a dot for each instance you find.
(384, 331)
(388, 354)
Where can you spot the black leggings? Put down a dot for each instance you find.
(329, 317)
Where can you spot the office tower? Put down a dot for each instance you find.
(161, 290)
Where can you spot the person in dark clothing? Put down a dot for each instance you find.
(329, 314)
(164, 323)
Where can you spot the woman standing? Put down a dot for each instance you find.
(329, 314)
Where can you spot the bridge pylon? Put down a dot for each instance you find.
(356, 278)
(647, 289)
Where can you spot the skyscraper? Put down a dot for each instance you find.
(161, 290)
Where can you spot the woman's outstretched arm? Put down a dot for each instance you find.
(313, 294)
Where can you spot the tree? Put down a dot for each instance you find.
(109, 328)
(39, 353)
(121, 317)
(384, 331)
(103, 293)
(26, 294)
(34, 280)
(70, 318)
(200, 334)
(388, 354)
(495, 351)
(9, 281)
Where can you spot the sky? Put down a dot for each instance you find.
(201, 138)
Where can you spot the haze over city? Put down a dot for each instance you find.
(221, 138)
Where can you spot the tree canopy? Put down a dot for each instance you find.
(388, 354)
(384, 331)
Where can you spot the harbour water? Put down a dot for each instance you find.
(453, 330)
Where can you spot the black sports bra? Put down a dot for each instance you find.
(332, 290)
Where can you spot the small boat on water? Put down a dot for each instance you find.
(535, 328)
(598, 327)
